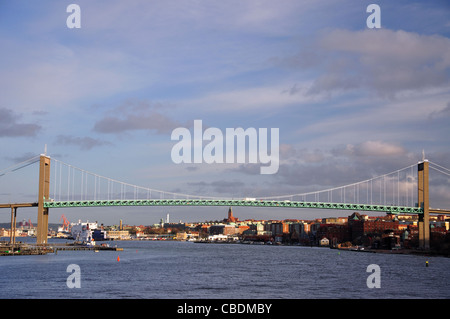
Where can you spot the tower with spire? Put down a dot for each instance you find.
(231, 218)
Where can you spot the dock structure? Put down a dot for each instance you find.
(57, 247)
(23, 249)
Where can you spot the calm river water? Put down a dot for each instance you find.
(174, 270)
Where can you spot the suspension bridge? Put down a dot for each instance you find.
(61, 185)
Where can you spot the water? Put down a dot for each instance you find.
(184, 270)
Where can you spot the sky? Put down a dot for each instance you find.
(350, 102)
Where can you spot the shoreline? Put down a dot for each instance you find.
(417, 252)
(409, 251)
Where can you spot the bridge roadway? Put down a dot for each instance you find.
(12, 205)
(229, 202)
(235, 202)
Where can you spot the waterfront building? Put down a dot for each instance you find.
(118, 234)
(239, 230)
(222, 230)
(178, 226)
(256, 229)
(336, 233)
(369, 226)
(389, 240)
(277, 228)
(334, 220)
(181, 236)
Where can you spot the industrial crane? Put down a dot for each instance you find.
(66, 224)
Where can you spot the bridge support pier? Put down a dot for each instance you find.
(12, 239)
(44, 193)
(424, 203)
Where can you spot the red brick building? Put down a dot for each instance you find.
(362, 225)
(335, 233)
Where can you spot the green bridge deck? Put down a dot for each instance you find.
(235, 202)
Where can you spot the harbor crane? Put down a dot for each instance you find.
(66, 224)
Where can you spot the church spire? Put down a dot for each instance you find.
(231, 218)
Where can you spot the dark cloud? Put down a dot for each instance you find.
(223, 187)
(84, 143)
(442, 114)
(249, 169)
(134, 116)
(314, 169)
(322, 176)
(22, 158)
(11, 127)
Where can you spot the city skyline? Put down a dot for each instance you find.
(350, 102)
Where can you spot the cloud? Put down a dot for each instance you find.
(289, 155)
(20, 158)
(245, 99)
(220, 187)
(382, 61)
(84, 143)
(372, 149)
(372, 158)
(303, 169)
(442, 114)
(11, 127)
(136, 116)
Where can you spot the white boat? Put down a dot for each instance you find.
(90, 243)
(82, 232)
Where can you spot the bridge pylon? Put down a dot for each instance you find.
(424, 203)
(44, 193)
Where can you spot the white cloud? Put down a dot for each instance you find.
(270, 98)
(386, 61)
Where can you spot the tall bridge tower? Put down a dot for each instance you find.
(424, 203)
(44, 194)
